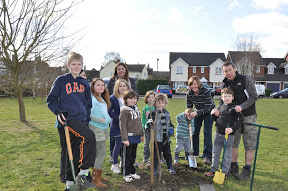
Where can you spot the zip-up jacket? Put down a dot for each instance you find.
(245, 93)
(228, 115)
(130, 122)
(162, 126)
(72, 95)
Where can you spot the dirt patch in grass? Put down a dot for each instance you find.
(185, 177)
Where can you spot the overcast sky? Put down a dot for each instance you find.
(144, 30)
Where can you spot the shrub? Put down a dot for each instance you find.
(268, 92)
(150, 84)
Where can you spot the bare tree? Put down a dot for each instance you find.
(30, 29)
(112, 56)
(248, 57)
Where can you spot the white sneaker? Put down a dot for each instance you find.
(128, 178)
(115, 169)
(135, 176)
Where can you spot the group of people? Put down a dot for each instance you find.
(89, 111)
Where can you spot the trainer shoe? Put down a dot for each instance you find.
(210, 173)
(135, 176)
(115, 169)
(234, 169)
(128, 178)
(245, 174)
(171, 171)
(85, 181)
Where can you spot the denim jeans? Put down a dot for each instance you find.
(208, 123)
(218, 145)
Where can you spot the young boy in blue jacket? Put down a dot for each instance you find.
(70, 92)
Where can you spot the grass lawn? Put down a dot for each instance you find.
(30, 153)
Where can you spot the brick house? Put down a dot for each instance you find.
(208, 66)
(271, 72)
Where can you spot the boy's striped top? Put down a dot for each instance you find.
(182, 129)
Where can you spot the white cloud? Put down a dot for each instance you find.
(271, 28)
(233, 4)
(196, 10)
(175, 16)
(270, 4)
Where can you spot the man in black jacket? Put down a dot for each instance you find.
(245, 98)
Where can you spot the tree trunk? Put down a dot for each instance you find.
(22, 114)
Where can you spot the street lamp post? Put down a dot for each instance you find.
(157, 68)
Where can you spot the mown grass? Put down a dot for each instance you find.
(30, 153)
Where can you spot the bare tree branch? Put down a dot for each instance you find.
(29, 29)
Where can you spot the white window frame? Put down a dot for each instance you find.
(257, 69)
(144, 74)
(176, 84)
(218, 70)
(270, 70)
(286, 70)
(179, 70)
(194, 69)
(202, 70)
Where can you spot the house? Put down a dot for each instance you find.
(91, 74)
(271, 72)
(138, 71)
(208, 66)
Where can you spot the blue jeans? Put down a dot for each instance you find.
(208, 123)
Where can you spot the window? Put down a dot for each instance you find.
(258, 69)
(179, 70)
(176, 84)
(144, 74)
(218, 71)
(286, 70)
(270, 70)
(202, 70)
(194, 69)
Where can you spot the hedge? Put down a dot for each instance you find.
(150, 84)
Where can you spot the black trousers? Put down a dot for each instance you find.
(163, 147)
(63, 154)
(83, 145)
(130, 156)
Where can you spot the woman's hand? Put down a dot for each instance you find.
(193, 114)
(228, 130)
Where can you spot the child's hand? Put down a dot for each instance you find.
(142, 139)
(215, 112)
(126, 143)
(228, 130)
(103, 120)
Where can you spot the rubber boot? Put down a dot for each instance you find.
(96, 175)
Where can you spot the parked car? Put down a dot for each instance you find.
(181, 90)
(164, 89)
(218, 91)
(212, 90)
(282, 94)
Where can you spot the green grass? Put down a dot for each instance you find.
(30, 153)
